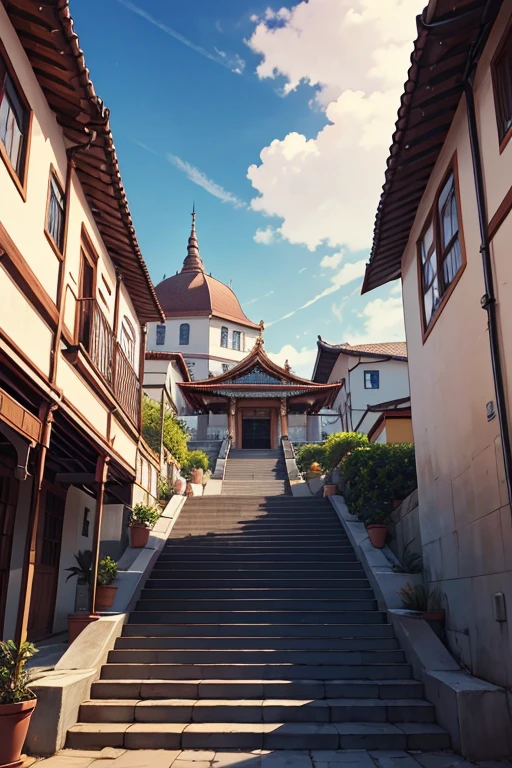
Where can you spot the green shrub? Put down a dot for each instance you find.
(175, 430)
(375, 476)
(421, 597)
(107, 571)
(195, 460)
(309, 453)
(14, 678)
(165, 490)
(339, 444)
(144, 515)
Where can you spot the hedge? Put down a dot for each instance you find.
(339, 444)
(375, 476)
(175, 430)
(307, 454)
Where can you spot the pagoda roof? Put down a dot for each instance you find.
(258, 376)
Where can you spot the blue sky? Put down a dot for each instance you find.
(302, 94)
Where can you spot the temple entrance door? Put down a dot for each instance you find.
(256, 433)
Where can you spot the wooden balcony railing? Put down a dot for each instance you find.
(96, 335)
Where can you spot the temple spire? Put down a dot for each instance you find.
(193, 261)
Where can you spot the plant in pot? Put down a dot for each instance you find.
(78, 621)
(17, 701)
(142, 520)
(195, 466)
(424, 601)
(165, 492)
(105, 592)
(376, 525)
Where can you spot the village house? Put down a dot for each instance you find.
(374, 379)
(76, 296)
(444, 225)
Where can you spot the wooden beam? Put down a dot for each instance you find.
(100, 481)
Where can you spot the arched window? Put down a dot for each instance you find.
(160, 334)
(184, 334)
(128, 340)
(224, 336)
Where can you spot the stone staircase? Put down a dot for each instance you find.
(257, 629)
(255, 473)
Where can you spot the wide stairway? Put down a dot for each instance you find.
(255, 473)
(257, 629)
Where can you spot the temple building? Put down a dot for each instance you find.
(228, 385)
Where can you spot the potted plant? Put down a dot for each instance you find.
(17, 701)
(142, 520)
(78, 621)
(105, 592)
(425, 602)
(376, 525)
(196, 465)
(165, 492)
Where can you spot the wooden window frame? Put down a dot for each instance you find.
(128, 328)
(19, 182)
(89, 252)
(505, 43)
(433, 217)
(55, 246)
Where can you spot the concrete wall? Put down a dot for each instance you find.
(465, 520)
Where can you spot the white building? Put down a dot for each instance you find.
(371, 374)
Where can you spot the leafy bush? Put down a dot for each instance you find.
(195, 460)
(377, 475)
(175, 430)
(14, 678)
(144, 515)
(107, 571)
(420, 597)
(309, 453)
(338, 445)
(165, 490)
(82, 570)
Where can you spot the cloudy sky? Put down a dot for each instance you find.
(276, 120)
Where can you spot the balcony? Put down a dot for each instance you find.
(97, 338)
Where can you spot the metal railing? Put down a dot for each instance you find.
(96, 335)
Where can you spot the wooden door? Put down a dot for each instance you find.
(9, 489)
(46, 575)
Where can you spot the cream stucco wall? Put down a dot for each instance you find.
(464, 514)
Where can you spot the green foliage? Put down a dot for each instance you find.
(307, 454)
(375, 476)
(82, 570)
(410, 562)
(195, 460)
(144, 515)
(165, 490)
(14, 678)
(175, 430)
(420, 597)
(338, 445)
(107, 571)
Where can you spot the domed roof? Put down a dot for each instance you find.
(192, 293)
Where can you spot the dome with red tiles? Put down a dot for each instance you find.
(193, 293)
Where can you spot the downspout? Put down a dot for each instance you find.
(488, 300)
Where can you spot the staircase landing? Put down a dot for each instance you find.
(255, 473)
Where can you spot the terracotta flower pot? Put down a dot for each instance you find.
(14, 723)
(433, 615)
(77, 622)
(330, 490)
(196, 476)
(105, 597)
(139, 535)
(378, 533)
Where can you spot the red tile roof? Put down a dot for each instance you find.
(387, 348)
(328, 354)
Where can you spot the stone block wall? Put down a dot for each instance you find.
(405, 527)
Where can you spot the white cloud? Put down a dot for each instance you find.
(331, 262)
(233, 62)
(258, 298)
(383, 321)
(265, 236)
(336, 310)
(201, 179)
(301, 360)
(354, 53)
(302, 270)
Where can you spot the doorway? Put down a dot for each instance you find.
(9, 487)
(256, 433)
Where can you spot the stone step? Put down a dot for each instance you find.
(256, 558)
(268, 655)
(240, 592)
(256, 617)
(257, 689)
(240, 548)
(255, 605)
(258, 643)
(245, 630)
(175, 581)
(175, 710)
(250, 736)
(246, 671)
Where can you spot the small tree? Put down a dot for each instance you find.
(309, 453)
(175, 432)
(338, 445)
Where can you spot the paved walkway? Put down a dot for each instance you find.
(118, 758)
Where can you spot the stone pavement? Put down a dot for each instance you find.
(118, 758)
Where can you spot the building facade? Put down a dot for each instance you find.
(445, 225)
(370, 374)
(76, 296)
